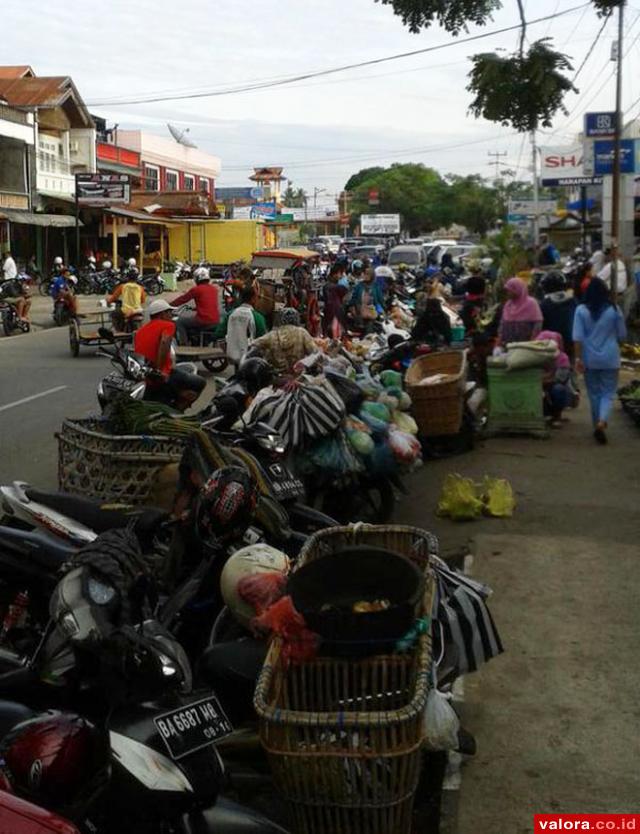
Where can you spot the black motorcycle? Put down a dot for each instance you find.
(139, 744)
(153, 284)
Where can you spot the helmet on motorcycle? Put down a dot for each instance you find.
(131, 262)
(402, 267)
(106, 264)
(252, 561)
(91, 259)
(290, 316)
(57, 760)
(132, 274)
(256, 373)
(57, 261)
(71, 278)
(201, 275)
(226, 503)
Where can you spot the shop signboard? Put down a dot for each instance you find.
(522, 209)
(103, 189)
(600, 125)
(603, 152)
(267, 211)
(380, 224)
(561, 162)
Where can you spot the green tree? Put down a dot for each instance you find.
(524, 90)
(357, 179)
(411, 190)
(294, 197)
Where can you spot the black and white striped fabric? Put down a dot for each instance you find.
(307, 412)
(465, 635)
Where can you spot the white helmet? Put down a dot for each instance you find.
(201, 274)
(72, 279)
(91, 259)
(249, 561)
(57, 261)
(106, 264)
(131, 262)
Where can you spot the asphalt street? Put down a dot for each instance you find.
(40, 385)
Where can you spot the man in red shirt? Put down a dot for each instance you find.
(153, 341)
(207, 312)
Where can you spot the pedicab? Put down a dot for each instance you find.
(287, 279)
(85, 327)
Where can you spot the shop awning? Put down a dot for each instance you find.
(59, 221)
(142, 217)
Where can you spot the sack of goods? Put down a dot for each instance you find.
(522, 355)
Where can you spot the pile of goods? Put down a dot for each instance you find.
(629, 396)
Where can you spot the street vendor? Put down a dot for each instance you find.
(367, 301)
(521, 316)
(333, 321)
(286, 344)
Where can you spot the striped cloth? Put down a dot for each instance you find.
(305, 411)
(465, 635)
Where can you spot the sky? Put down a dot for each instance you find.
(321, 130)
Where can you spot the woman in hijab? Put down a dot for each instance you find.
(521, 317)
(598, 329)
(557, 384)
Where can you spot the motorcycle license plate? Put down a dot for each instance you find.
(192, 727)
(284, 482)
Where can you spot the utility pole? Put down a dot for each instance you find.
(536, 192)
(497, 156)
(316, 191)
(615, 208)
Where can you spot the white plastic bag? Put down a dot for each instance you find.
(441, 724)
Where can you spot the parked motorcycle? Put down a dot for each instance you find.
(154, 284)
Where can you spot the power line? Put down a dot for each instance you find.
(263, 85)
(592, 47)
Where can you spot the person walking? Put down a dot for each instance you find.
(9, 268)
(598, 329)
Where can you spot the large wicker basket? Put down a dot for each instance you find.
(438, 408)
(344, 738)
(117, 468)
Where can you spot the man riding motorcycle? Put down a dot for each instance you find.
(131, 295)
(154, 342)
(207, 300)
(62, 290)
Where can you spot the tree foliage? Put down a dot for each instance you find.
(428, 201)
(294, 197)
(524, 90)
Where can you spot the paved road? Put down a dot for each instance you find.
(40, 385)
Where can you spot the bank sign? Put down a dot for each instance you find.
(600, 125)
(603, 152)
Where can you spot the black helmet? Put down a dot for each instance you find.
(256, 373)
(554, 282)
(226, 503)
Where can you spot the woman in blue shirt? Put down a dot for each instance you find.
(598, 328)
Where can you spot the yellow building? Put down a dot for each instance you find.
(217, 241)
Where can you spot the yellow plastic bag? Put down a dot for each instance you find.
(459, 500)
(498, 497)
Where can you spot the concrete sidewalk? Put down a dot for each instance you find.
(556, 716)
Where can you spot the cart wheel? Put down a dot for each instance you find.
(216, 365)
(74, 338)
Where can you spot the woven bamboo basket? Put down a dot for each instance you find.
(117, 468)
(437, 409)
(344, 737)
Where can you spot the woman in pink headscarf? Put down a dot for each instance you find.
(557, 383)
(521, 317)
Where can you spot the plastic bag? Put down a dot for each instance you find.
(348, 391)
(352, 423)
(498, 496)
(381, 461)
(334, 454)
(261, 590)
(441, 724)
(391, 379)
(299, 644)
(405, 447)
(392, 403)
(404, 422)
(459, 500)
(377, 410)
(378, 427)
(361, 442)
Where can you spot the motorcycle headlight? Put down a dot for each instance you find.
(100, 592)
(272, 443)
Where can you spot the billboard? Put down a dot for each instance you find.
(600, 125)
(561, 162)
(267, 211)
(603, 151)
(522, 209)
(380, 224)
(103, 189)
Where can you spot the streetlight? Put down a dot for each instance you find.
(316, 191)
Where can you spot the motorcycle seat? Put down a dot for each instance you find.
(12, 714)
(96, 515)
(43, 550)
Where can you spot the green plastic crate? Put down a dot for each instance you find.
(515, 402)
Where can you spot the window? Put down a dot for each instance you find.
(151, 178)
(172, 180)
(189, 182)
(204, 184)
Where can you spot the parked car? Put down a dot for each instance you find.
(350, 243)
(413, 256)
(370, 252)
(332, 242)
